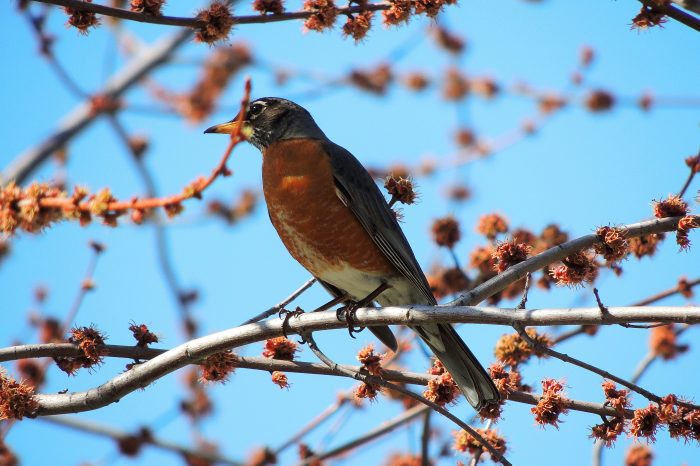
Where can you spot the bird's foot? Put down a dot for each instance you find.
(347, 313)
(287, 315)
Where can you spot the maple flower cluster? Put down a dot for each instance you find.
(512, 349)
(16, 398)
(371, 361)
(465, 442)
(441, 389)
(283, 349)
(551, 404)
(90, 341)
(218, 367)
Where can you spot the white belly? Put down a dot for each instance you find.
(359, 285)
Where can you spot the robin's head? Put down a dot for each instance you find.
(273, 119)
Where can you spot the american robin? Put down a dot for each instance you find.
(334, 220)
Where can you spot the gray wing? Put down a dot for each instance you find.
(365, 200)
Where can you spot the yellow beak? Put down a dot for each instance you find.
(225, 128)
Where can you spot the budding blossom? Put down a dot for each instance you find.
(324, 14)
(466, 443)
(280, 379)
(216, 23)
(358, 25)
(608, 431)
(143, 335)
(616, 399)
(645, 422)
(577, 269)
(90, 341)
(648, 18)
(509, 253)
(614, 246)
(275, 7)
(367, 390)
(491, 225)
(446, 231)
(645, 245)
(280, 348)
(512, 349)
(81, 19)
(663, 342)
(399, 12)
(551, 404)
(16, 398)
(442, 389)
(218, 366)
(370, 361)
(639, 455)
(147, 7)
(401, 189)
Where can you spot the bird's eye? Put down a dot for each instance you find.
(255, 109)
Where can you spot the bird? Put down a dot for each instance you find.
(334, 220)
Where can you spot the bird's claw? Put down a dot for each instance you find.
(287, 315)
(347, 313)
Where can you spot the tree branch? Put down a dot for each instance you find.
(673, 12)
(194, 22)
(576, 362)
(263, 364)
(367, 378)
(557, 253)
(279, 306)
(84, 114)
(117, 434)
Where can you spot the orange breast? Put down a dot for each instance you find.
(316, 227)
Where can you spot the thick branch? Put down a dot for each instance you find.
(194, 351)
(252, 333)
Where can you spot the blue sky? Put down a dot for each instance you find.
(582, 170)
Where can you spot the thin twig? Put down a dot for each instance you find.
(161, 239)
(85, 287)
(366, 378)
(526, 290)
(194, 22)
(673, 12)
(480, 451)
(644, 302)
(277, 307)
(117, 434)
(314, 423)
(644, 364)
(691, 175)
(577, 362)
(84, 114)
(37, 21)
(384, 428)
(665, 294)
(425, 439)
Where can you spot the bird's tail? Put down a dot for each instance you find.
(460, 362)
